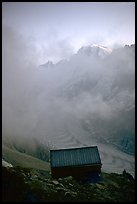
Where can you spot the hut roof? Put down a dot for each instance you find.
(75, 157)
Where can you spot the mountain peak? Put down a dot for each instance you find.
(95, 50)
(47, 64)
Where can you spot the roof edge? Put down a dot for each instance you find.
(74, 148)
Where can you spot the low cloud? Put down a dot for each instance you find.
(43, 102)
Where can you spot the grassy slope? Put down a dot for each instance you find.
(21, 159)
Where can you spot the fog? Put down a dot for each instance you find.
(85, 99)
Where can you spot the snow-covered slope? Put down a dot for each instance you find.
(95, 51)
(6, 164)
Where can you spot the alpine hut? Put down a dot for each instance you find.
(77, 162)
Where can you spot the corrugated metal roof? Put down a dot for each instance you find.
(75, 156)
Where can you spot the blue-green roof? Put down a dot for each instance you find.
(75, 156)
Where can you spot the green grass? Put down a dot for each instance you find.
(21, 159)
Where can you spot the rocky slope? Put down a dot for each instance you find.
(29, 185)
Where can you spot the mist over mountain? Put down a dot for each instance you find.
(88, 95)
(84, 100)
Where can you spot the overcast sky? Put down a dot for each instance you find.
(57, 29)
